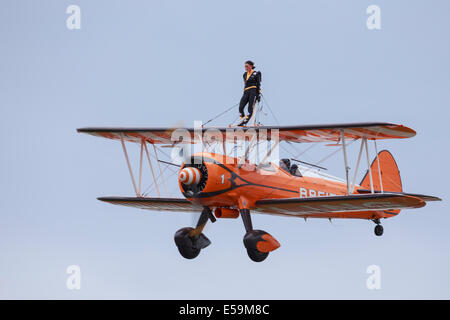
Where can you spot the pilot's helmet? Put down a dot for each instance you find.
(285, 163)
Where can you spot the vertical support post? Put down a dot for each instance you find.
(357, 164)
(252, 121)
(368, 165)
(250, 146)
(379, 167)
(347, 168)
(140, 166)
(151, 168)
(129, 166)
(270, 151)
(160, 171)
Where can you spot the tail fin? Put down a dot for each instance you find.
(390, 175)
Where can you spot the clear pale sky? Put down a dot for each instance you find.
(162, 63)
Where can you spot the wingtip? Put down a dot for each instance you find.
(411, 131)
(408, 130)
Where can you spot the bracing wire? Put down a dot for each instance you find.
(151, 187)
(309, 169)
(221, 114)
(270, 109)
(329, 155)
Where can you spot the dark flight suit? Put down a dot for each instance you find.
(252, 89)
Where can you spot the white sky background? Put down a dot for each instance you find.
(157, 63)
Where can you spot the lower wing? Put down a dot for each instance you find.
(363, 206)
(156, 204)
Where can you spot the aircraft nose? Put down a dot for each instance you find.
(189, 176)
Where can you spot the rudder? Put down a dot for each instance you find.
(390, 174)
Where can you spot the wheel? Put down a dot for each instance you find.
(188, 252)
(259, 239)
(190, 247)
(378, 230)
(256, 255)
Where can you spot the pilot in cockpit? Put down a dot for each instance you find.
(295, 171)
(285, 164)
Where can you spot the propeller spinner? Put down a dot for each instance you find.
(189, 176)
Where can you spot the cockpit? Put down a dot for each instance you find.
(292, 169)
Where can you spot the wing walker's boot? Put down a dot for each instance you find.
(244, 121)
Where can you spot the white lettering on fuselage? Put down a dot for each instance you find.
(306, 193)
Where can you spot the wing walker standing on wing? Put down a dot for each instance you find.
(252, 93)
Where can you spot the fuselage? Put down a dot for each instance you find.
(229, 183)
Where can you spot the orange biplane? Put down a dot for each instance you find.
(220, 185)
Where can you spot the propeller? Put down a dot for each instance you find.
(180, 154)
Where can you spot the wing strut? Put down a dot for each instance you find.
(368, 164)
(151, 167)
(140, 166)
(351, 186)
(357, 164)
(275, 144)
(379, 167)
(347, 168)
(160, 171)
(129, 166)
(138, 187)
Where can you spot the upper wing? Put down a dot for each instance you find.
(337, 204)
(307, 133)
(156, 204)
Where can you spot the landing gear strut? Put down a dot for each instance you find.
(378, 228)
(257, 242)
(190, 241)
